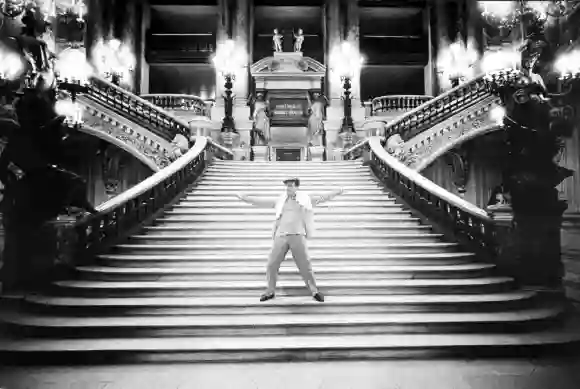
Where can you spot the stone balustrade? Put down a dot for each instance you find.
(398, 103)
(193, 105)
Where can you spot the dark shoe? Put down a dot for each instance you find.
(318, 297)
(267, 296)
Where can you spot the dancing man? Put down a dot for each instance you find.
(293, 225)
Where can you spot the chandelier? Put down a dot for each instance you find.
(48, 8)
(508, 14)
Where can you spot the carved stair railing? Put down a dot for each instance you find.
(474, 93)
(179, 102)
(470, 225)
(397, 103)
(140, 111)
(79, 241)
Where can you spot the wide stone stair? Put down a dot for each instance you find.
(187, 287)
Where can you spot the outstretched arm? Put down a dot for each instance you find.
(319, 199)
(256, 201)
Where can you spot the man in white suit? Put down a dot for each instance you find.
(293, 225)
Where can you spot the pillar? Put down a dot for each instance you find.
(353, 37)
(333, 39)
(143, 65)
(224, 32)
(241, 36)
(430, 76)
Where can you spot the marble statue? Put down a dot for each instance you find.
(277, 39)
(298, 40)
(261, 119)
(316, 118)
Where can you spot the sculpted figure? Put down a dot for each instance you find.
(277, 39)
(395, 146)
(316, 118)
(298, 40)
(261, 119)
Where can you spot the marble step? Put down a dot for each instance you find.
(304, 176)
(316, 249)
(561, 339)
(318, 186)
(326, 238)
(319, 210)
(225, 196)
(259, 260)
(335, 203)
(322, 229)
(255, 273)
(281, 324)
(251, 306)
(259, 241)
(285, 287)
(248, 218)
(343, 181)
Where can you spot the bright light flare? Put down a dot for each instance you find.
(497, 114)
(457, 60)
(12, 65)
(114, 57)
(71, 110)
(72, 66)
(230, 58)
(568, 64)
(345, 60)
(501, 10)
(504, 58)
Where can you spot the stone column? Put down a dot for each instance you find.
(144, 66)
(224, 32)
(333, 39)
(242, 23)
(430, 76)
(353, 37)
(440, 38)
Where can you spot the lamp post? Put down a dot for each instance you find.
(114, 60)
(72, 75)
(456, 62)
(229, 59)
(346, 63)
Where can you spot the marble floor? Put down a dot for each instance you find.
(561, 373)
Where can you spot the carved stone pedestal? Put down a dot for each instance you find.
(229, 139)
(337, 154)
(316, 153)
(261, 153)
(241, 154)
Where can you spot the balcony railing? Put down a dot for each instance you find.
(397, 103)
(179, 102)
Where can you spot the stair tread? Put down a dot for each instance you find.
(312, 246)
(253, 269)
(286, 301)
(291, 318)
(269, 228)
(353, 235)
(260, 255)
(281, 285)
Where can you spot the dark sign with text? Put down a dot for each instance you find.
(288, 111)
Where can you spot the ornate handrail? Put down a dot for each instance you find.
(440, 108)
(397, 102)
(467, 221)
(139, 110)
(180, 102)
(115, 218)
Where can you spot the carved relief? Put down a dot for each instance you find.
(438, 138)
(138, 143)
(458, 160)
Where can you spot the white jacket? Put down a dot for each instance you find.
(305, 202)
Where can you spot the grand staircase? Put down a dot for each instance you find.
(187, 287)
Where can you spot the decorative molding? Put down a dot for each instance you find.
(135, 140)
(424, 148)
(458, 160)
